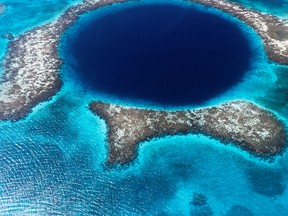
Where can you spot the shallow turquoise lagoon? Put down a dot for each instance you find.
(52, 162)
(277, 7)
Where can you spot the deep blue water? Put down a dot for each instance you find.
(52, 162)
(166, 54)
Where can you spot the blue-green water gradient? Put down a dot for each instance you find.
(52, 162)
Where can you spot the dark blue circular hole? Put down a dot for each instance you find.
(166, 54)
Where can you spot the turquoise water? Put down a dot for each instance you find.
(52, 162)
(275, 7)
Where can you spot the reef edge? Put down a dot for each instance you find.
(241, 123)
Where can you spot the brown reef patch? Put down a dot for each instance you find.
(239, 122)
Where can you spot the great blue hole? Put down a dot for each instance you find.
(165, 54)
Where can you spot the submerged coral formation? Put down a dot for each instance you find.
(272, 30)
(31, 66)
(240, 122)
(2, 8)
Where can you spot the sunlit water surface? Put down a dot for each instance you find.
(52, 162)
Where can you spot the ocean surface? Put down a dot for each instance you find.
(275, 7)
(167, 54)
(53, 161)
